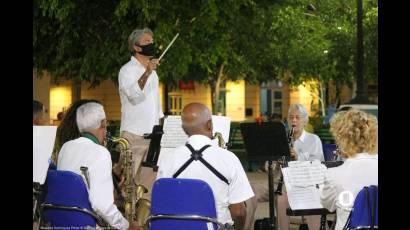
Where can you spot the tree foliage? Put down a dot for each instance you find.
(255, 40)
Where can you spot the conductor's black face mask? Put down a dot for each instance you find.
(147, 50)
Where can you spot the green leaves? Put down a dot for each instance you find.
(254, 39)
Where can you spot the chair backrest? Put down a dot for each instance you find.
(65, 189)
(364, 214)
(179, 197)
(328, 151)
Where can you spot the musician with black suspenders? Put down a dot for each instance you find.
(220, 168)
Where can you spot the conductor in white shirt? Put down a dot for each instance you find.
(356, 135)
(232, 188)
(140, 102)
(306, 147)
(89, 152)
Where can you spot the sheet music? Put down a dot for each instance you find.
(304, 181)
(175, 136)
(304, 198)
(43, 144)
(222, 125)
(306, 173)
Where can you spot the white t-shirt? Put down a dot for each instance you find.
(84, 152)
(140, 109)
(349, 178)
(224, 161)
(309, 147)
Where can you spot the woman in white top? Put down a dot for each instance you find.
(355, 133)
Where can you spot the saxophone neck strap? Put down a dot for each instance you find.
(91, 137)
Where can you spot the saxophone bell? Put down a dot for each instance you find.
(221, 141)
(136, 208)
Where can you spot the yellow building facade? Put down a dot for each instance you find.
(243, 101)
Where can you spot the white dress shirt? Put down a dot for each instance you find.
(343, 183)
(223, 161)
(140, 108)
(84, 152)
(309, 147)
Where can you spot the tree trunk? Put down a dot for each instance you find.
(322, 98)
(215, 85)
(76, 90)
(338, 89)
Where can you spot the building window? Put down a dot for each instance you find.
(221, 106)
(277, 102)
(175, 103)
(271, 99)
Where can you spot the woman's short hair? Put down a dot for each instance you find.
(301, 109)
(355, 132)
(89, 116)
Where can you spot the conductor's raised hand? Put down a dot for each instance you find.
(152, 65)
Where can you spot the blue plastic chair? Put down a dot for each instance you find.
(66, 202)
(182, 204)
(328, 151)
(365, 214)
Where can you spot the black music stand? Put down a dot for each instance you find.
(154, 147)
(266, 141)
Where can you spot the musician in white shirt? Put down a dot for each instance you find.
(230, 190)
(355, 133)
(140, 101)
(306, 147)
(88, 151)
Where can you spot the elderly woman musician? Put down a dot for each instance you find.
(355, 133)
(304, 146)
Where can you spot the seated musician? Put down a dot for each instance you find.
(88, 151)
(231, 187)
(355, 133)
(38, 113)
(68, 129)
(305, 147)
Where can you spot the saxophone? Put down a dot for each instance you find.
(136, 208)
(221, 142)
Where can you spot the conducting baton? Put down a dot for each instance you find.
(173, 40)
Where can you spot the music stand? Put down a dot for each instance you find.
(154, 147)
(318, 211)
(266, 141)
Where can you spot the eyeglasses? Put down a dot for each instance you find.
(297, 117)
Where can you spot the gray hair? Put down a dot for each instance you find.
(301, 109)
(89, 116)
(135, 36)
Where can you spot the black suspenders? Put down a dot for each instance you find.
(197, 155)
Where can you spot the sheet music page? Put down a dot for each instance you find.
(306, 173)
(221, 124)
(174, 135)
(43, 145)
(304, 198)
(303, 180)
